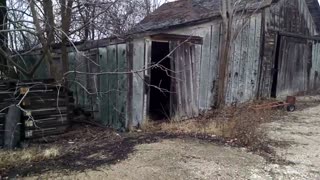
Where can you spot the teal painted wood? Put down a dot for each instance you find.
(81, 80)
(122, 86)
(72, 84)
(113, 87)
(113, 84)
(103, 87)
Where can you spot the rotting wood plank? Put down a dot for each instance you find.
(183, 86)
(257, 56)
(251, 58)
(244, 65)
(175, 37)
(138, 82)
(197, 64)
(214, 65)
(129, 115)
(103, 80)
(188, 83)
(176, 96)
(113, 84)
(122, 85)
(205, 71)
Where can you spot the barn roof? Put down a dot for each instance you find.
(189, 11)
(183, 12)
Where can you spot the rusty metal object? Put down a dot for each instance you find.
(289, 104)
(291, 100)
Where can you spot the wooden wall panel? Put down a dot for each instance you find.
(208, 67)
(293, 66)
(185, 81)
(103, 88)
(138, 83)
(113, 86)
(244, 62)
(287, 15)
(315, 68)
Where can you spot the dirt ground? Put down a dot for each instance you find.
(295, 140)
(299, 133)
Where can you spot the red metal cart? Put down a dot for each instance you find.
(289, 104)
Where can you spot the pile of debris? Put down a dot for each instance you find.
(33, 109)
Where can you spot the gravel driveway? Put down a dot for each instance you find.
(296, 140)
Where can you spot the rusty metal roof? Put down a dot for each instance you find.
(183, 12)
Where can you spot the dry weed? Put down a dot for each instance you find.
(240, 124)
(12, 158)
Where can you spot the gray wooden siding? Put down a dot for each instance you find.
(290, 16)
(185, 81)
(294, 66)
(210, 32)
(315, 68)
(138, 60)
(244, 62)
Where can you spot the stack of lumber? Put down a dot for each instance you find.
(46, 107)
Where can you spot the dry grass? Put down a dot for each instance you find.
(11, 158)
(240, 124)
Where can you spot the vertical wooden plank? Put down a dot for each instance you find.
(138, 82)
(129, 114)
(103, 81)
(183, 81)
(214, 66)
(257, 55)
(72, 85)
(174, 79)
(205, 70)
(113, 84)
(251, 58)
(235, 70)
(194, 78)
(179, 111)
(147, 73)
(122, 86)
(244, 65)
(197, 70)
(189, 82)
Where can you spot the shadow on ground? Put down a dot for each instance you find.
(91, 148)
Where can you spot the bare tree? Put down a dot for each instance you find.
(235, 16)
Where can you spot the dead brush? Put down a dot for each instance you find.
(15, 158)
(247, 130)
(241, 125)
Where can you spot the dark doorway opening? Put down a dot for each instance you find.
(276, 68)
(159, 102)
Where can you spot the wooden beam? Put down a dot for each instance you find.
(175, 37)
(301, 36)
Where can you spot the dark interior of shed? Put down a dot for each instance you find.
(159, 104)
(275, 69)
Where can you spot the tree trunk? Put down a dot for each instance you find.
(66, 9)
(227, 14)
(3, 35)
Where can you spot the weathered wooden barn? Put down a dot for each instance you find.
(177, 48)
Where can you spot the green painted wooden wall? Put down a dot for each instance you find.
(113, 85)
